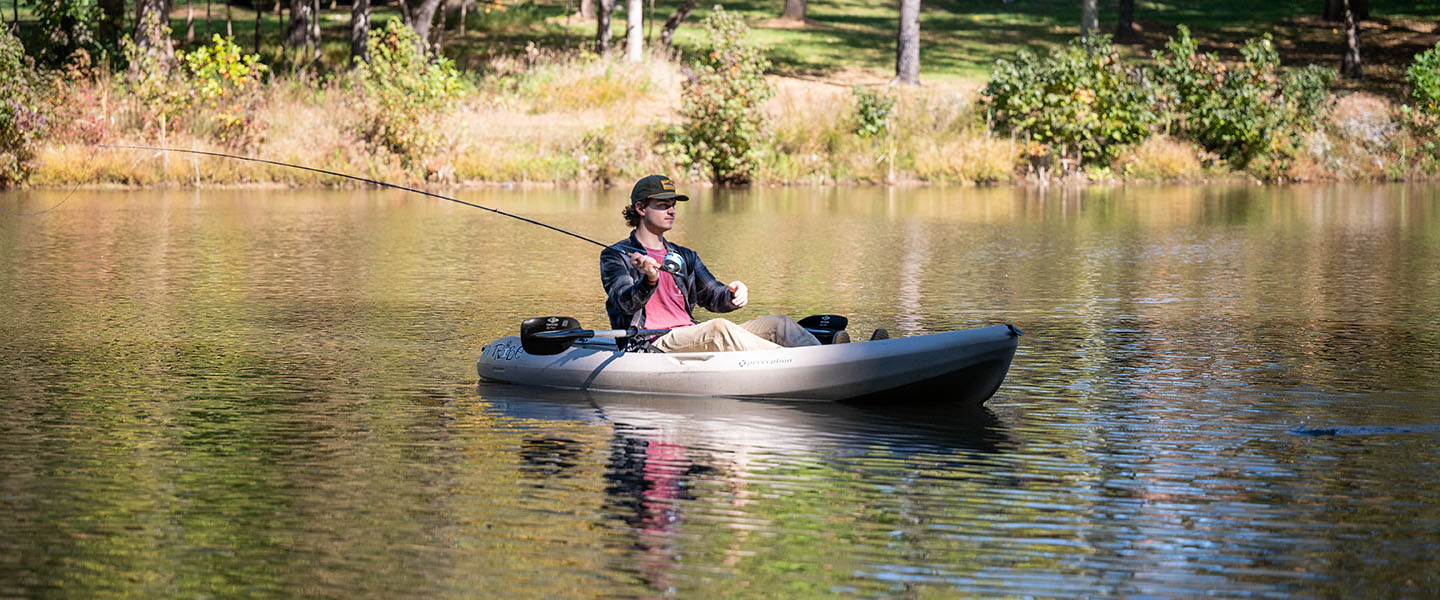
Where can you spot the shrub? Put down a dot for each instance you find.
(1243, 111)
(21, 124)
(1424, 78)
(159, 93)
(227, 81)
(65, 27)
(722, 102)
(873, 111)
(1079, 101)
(403, 89)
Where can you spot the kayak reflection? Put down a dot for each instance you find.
(772, 426)
(681, 469)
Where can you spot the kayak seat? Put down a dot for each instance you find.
(824, 327)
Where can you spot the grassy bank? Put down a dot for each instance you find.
(537, 108)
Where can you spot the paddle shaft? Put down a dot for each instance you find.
(594, 333)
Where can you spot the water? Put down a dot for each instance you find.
(1225, 391)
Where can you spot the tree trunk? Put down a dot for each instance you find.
(359, 31)
(602, 26)
(1335, 10)
(1125, 28)
(152, 29)
(258, 14)
(907, 45)
(464, 9)
(634, 30)
(794, 11)
(587, 9)
(422, 17)
(229, 21)
(667, 31)
(1089, 17)
(190, 22)
(315, 29)
(297, 37)
(438, 31)
(1350, 62)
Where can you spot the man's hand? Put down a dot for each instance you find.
(740, 293)
(647, 266)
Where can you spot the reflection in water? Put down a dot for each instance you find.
(256, 393)
(663, 449)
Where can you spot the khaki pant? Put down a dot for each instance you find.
(721, 335)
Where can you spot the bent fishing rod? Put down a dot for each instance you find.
(672, 263)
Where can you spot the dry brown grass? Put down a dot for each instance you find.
(1161, 158)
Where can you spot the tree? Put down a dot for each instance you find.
(1089, 17)
(359, 31)
(1335, 9)
(1350, 62)
(634, 30)
(298, 36)
(1125, 28)
(422, 18)
(602, 26)
(794, 11)
(667, 32)
(907, 45)
(152, 32)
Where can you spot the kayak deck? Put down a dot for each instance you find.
(959, 366)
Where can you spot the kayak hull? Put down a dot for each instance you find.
(959, 366)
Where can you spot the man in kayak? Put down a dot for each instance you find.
(640, 294)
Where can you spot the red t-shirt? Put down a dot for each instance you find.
(665, 309)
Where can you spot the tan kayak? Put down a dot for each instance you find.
(963, 367)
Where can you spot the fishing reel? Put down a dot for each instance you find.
(673, 264)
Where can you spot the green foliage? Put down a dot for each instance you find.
(723, 102)
(226, 80)
(1077, 101)
(1245, 111)
(403, 89)
(495, 17)
(158, 90)
(21, 124)
(873, 111)
(1424, 78)
(66, 27)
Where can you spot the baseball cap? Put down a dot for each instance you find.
(655, 187)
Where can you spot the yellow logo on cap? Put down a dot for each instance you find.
(667, 185)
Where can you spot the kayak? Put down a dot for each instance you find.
(964, 367)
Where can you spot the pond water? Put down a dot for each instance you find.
(1226, 391)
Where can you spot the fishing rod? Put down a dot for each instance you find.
(672, 263)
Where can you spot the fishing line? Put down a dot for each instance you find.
(673, 262)
(31, 214)
(364, 179)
